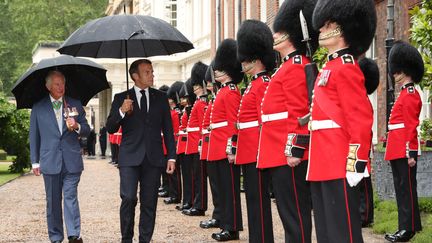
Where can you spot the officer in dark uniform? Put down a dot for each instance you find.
(222, 119)
(371, 72)
(407, 68)
(286, 100)
(175, 185)
(342, 118)
(199, 172)
(255, 52)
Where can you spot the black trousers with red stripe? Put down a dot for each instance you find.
(293, 201)
(366, 201)
(228, 179)
(256, 183)
(405, 183)
(188, 181)
(212, 172)
(200, 183)
(336, 211)
(175, 179)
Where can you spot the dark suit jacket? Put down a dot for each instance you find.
(142, 132)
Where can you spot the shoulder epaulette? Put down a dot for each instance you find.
(347, 59)
(411, 90)
(297, 59)
(232, 87)
(265, 78)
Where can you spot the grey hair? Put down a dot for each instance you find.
(48, 79)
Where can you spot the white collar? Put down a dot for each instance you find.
(52, 99)
(138, 89)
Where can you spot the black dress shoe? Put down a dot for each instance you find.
(56, 241)
(75, 239)
(183, 207)
(193, 212)
(400, 236)
(226, 235)
(171, 200)
(211, 223)
(163, 194)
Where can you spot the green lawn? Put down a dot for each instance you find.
(386, 219)
(5, 175)
(9, 158)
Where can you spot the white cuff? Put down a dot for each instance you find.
(121, 113)
(35, 165)
(79, 129)
(172, 160)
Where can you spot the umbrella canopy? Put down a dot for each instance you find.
(84, 79)
(145, 35)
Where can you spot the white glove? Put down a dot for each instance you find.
(353, 178)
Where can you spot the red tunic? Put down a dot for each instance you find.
(341, 116)
(223, 114)
(195, 124)
(286, 95)
(402, 136)
(117, 137)
(175, 123)
(205, 134)
(182, 138)
(250, 113)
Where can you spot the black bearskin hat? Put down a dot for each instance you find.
(357, 19)
(288, 20)
(174, 90)
(226, 60)
(371, 73)
(255, 41)
(404, 58)
(207, 76)
(187, 91)
(198, 73)
(164, 88)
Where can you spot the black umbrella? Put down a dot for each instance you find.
(107, 37)
(84, 79)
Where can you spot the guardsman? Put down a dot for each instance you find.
(371, 72)
(407, 68)
(341, 121)
(214, 222)
(164, 188)
(175, 186)
(222, 125)
(187, 97)
(255, 52)
(199, 172)
(286, 100)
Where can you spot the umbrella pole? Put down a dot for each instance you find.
(127, 66)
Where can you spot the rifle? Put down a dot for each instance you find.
(311, 69)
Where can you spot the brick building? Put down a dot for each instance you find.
(226, 16)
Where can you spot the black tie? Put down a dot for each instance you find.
(143, 102)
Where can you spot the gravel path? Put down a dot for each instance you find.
(22, 212)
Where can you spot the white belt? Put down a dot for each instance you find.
(323, 124)
(395, 126)
(182, 133)
(192, 129)
(205, 131)
(274, 116)
(244, 125)
(218, 125)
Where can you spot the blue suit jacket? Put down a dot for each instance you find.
(47, 146)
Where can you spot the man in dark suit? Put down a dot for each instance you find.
(55, 153)
(103, 139)
(142, 112)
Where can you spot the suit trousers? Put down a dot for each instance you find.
(148, 177)
(57, 185)
(405, 183)
(188, 180)
(200, 197)
(165, 181)
(366, 201)
(175, 180)
(293, 201)
(212, 172)
(256, 183)
(336, 211)
(228, 179)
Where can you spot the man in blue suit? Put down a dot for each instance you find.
(143, 113)
(55, 153)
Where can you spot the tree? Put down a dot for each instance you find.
(421, 37)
